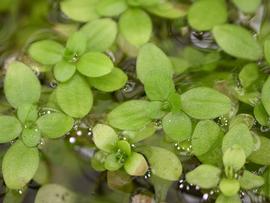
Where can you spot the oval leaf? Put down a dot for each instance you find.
(136, 26)
(21, 86)
(94, 64)
(75, 97)
(55, 125)
(111, 7)
(266, 95)
(204, 15)
(63, 71)
(18, 170)
(197, 102)
(159, 160)
(10, 128)
(47, 52)
(136, 165)
(234, 39)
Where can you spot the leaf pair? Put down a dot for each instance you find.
(116, 153)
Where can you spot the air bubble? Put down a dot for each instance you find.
(72, 140)
(205, 196)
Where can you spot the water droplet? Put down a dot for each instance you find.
(158, 124)
(79, 132)
(12, 142)
(197, 187)
(20, 191)
(133, 145)
(53, 84)
(205, 196)
(181, 186)
(148, 174)
(72, 140)
(129, 86)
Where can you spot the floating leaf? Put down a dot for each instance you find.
(205, 135)
(63, 71)
(261, 114)
(136, 165)
(224, 199)
(262, 155)
(266, 95)
(233, 39)
(197, 102)
(21, 85)
(47, 52)
(79, 10)
(177, 126)
(205, 176)
(125, 118)
(247, 6)
(249, 74)
(76, 43)
(112, 163)
(136, 26)
(229, 187)
(10, 128)
(104, 137)
(55, 125)
(94, 64)
(168, 10)
(204, 15)
(18, 170)
(267, 50)
(152, 58)
(101, 34)
(234, 157)
(159, 159)
(31, 137)
(74, 97)
(113, 81)
(111, 7)
(27, 113)
(249, 180)
(239, 135)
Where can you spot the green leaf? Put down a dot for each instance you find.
(55, 125)
(243, 118)
(266, 96)
(136, 165)
(249, 74)
(180, 65)
(158, 86)
(112, 163)
(10, 128)
(239, 135)
(204, 15)
(167, 10)
(27, 113)
(47, 52)
(142, 3)
(136, 26)
(98, 160)
(126, 118)
(104, 137)
(101, 34)
(229, 187)
(224, 199)
(18, 170)
(74, 97)
(174, 100)
(261, 114)
(249, 180)
(111, 7)
(79, 10)
(205, 176)
(152, 58)
(31, 137)
(262, 155)
(247, 6)
(76, 43)
(233, 39)
(234, 157)
(159, 160)
(143, 133)
(124, 147)
(63, 71)
(198, 101)
(21, 86)
(205, 135)
(177, 126)
(94, 64)
(267, 50)
(55, 193)
(113, 81)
